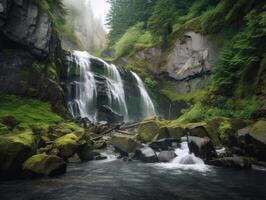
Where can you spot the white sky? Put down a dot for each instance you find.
(100, 9)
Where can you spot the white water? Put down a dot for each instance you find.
(84, 103)
(185, 160)
(86, 91)
(147, 104)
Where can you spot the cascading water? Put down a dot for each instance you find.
(85, 92)
(147, 105)
(185, 160)
(101, 91)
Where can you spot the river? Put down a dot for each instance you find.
(118, 180)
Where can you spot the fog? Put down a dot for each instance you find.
(89, 29)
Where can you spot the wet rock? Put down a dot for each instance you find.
(232, 162)
(125, 144)
(85, 152)
(201, 147)
(105, 113)
(67, 145)
(148, 130)
(253, 140)
(44, 165)
(146, 154)
(14, 150)
(197, 129)
(100, 144)
(166, 156)
(164, 144)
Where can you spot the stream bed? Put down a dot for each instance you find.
(118, 180)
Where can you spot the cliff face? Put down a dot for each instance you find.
(29, 53)
(188, 64)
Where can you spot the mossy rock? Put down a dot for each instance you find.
(148, 130)
(9, 121)
(84, 152)
(67, 145)
(100, 144)
(258, 131)
(163, 133)
(14, 150)
(4, 129)
(197, 129)
(125, 144)
(176, 132)
(66, 128)
(41, 129)
(44, 165)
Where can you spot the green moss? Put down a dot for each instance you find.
(148, 130)
(4, 129)
(225, 132)
(67, 145)
(27, 111)
(125, 144)
(66, 128)
(42, 164)
(258, 131)
(194, 96)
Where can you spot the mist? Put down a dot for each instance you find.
(88, 29)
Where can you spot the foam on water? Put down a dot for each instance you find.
(185, 160)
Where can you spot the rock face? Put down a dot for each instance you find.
(26, 24)
(201, 147)
(14, 150)
(44, 165)
(191, 58)
(146, 154)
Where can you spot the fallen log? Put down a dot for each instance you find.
(108, 131)
(130, 126)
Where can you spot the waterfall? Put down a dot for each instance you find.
(101, 91)
(146, 102)
(85, 87)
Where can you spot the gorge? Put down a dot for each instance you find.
(167, 100)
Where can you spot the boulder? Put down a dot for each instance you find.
(125, 144)
(148, 130)
(67, 145)
(176, 132)
(253, 140)
(232, 162)
(106, 113)
(14, 150)
(164, 144)
(146, 154)
(100, 144)
(197, 129)
(166, 156)
(201, 147)
(85, 152)
(44, 165)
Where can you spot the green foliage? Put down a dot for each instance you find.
(126, 13)
(208, 109)
(27, 111)
(150, 83)
(161, 20)
(125, 45)
(244, 50)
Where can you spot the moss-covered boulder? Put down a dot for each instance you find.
(14, 150)
(176, 132)
(252, 139)
(100, 144)
(67, 145)
(148, 130)
(197, 129)
(66, 128)
(4, 129)
(125, 144)
(44, 165)
(258, 132)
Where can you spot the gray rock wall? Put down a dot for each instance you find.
(26, 24)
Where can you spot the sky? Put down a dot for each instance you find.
(100, 9)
